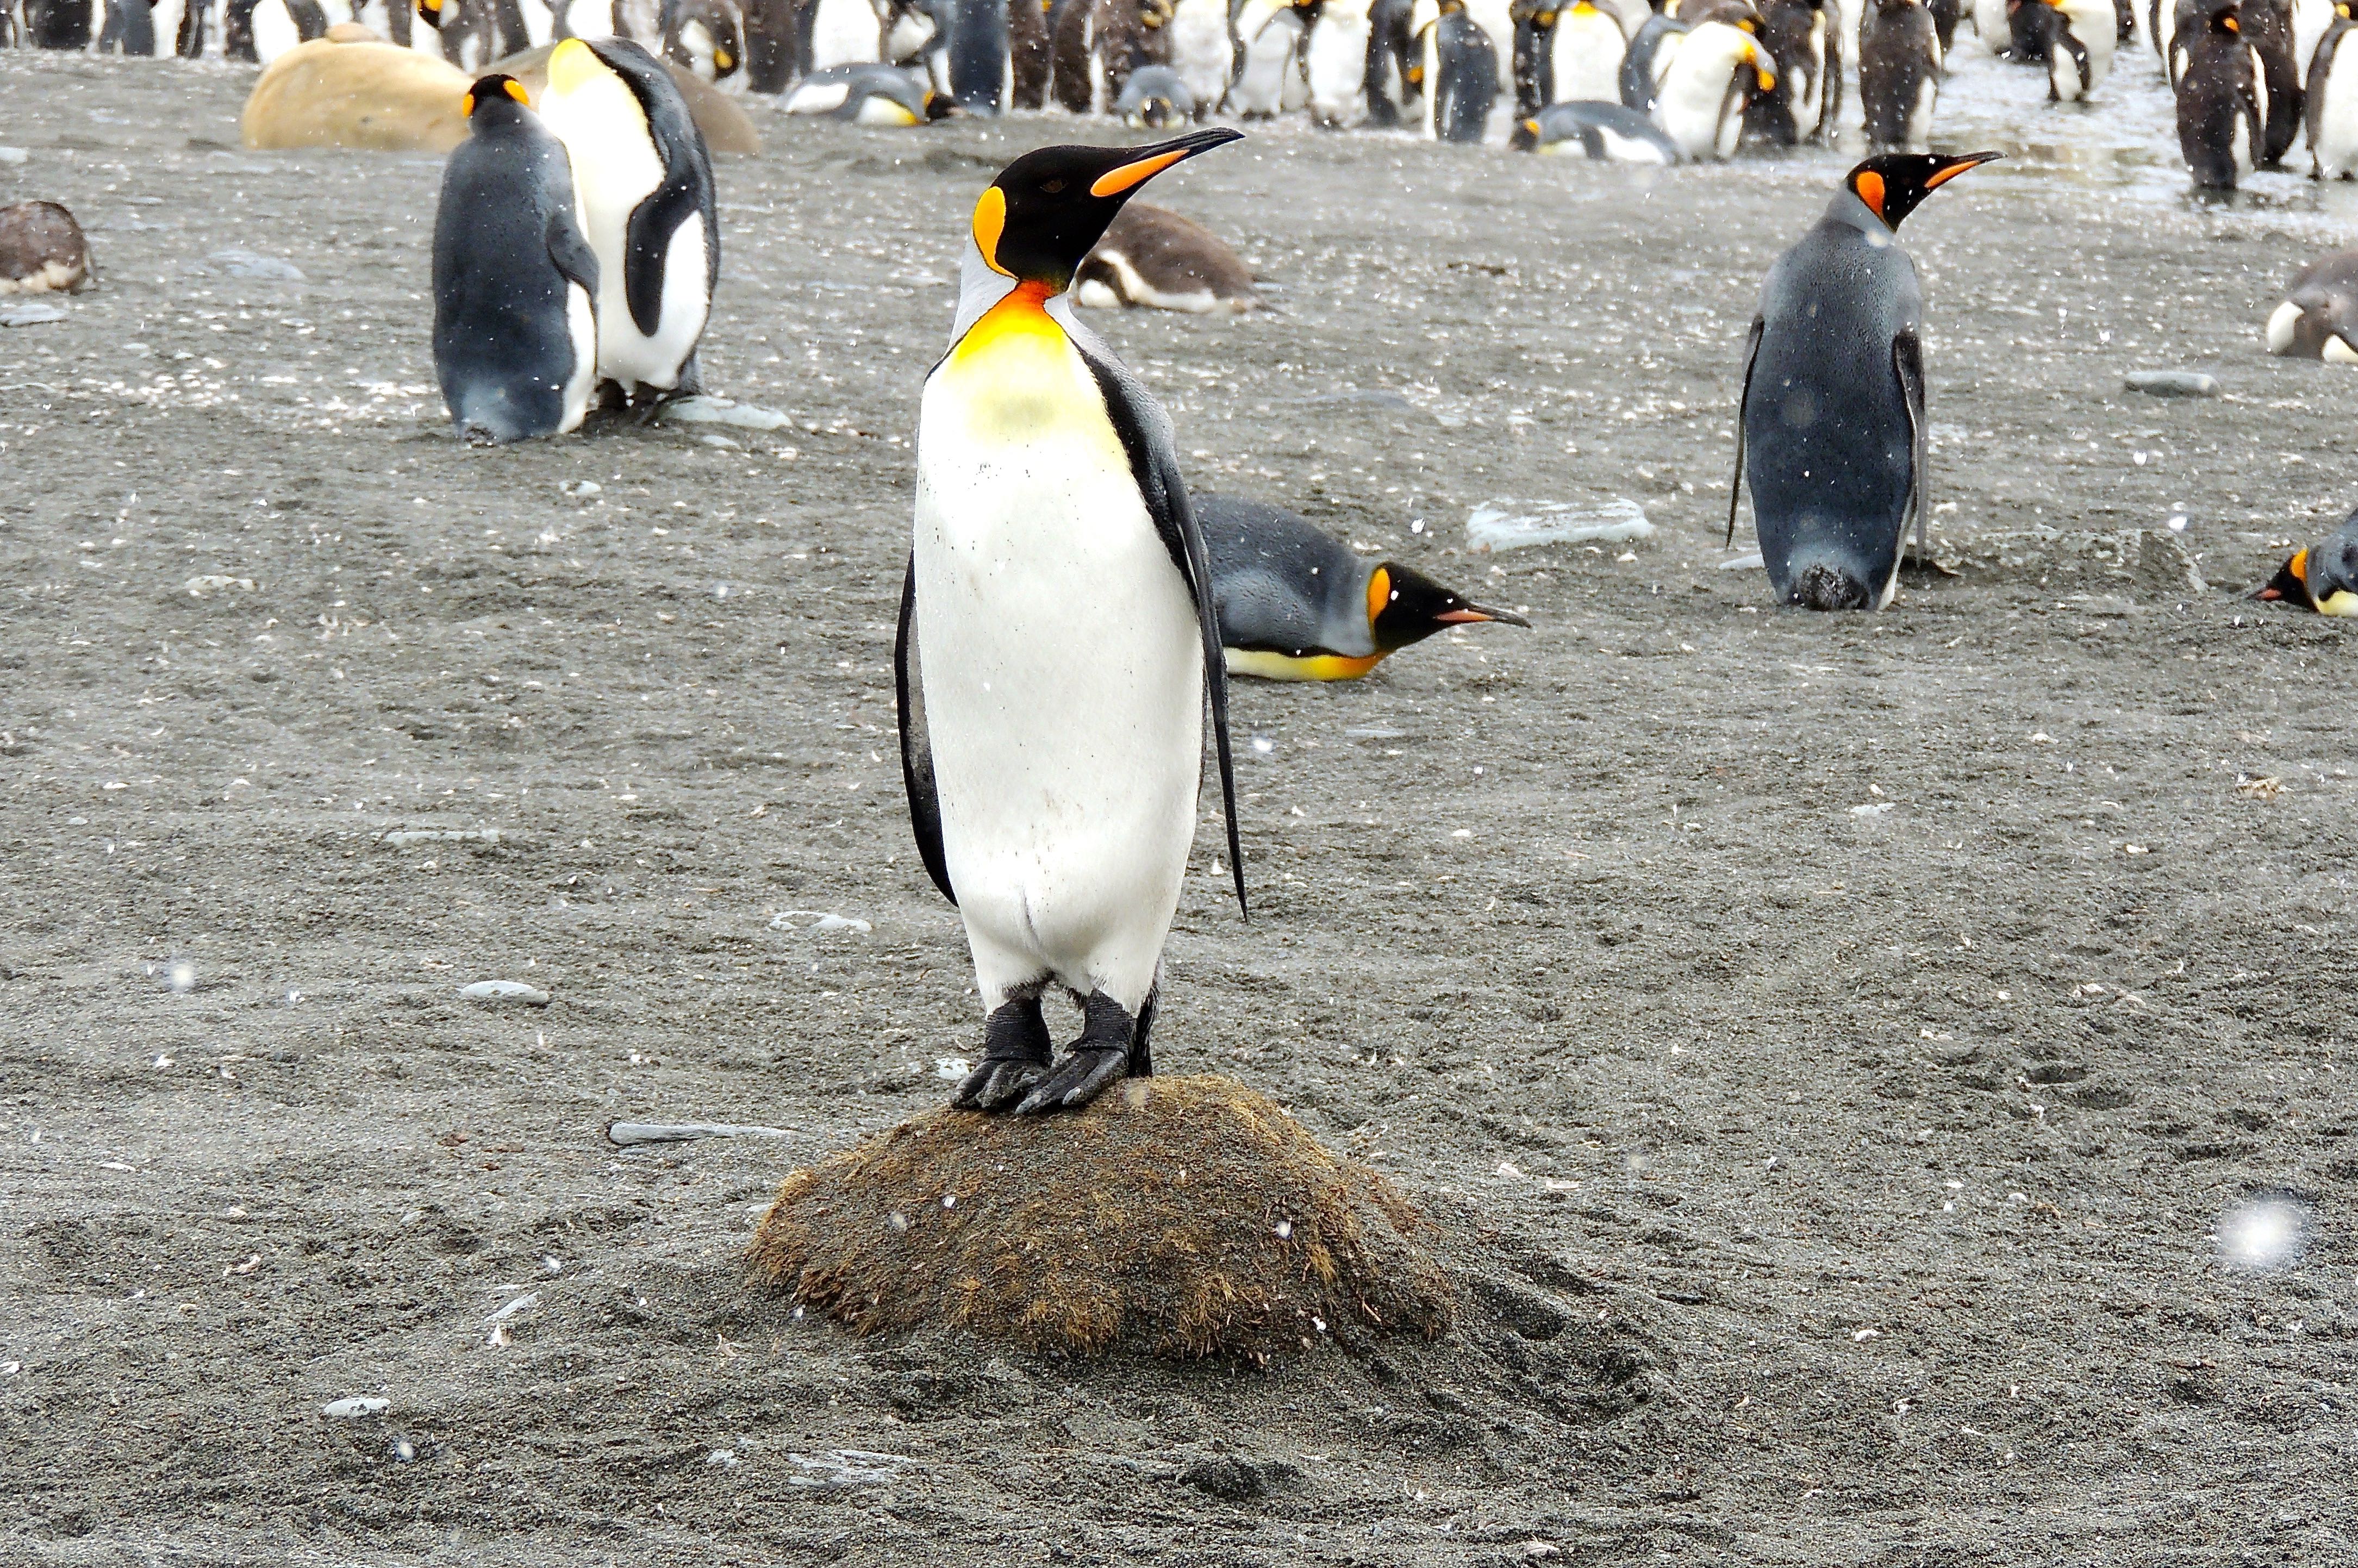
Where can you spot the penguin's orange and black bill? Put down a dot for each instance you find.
(496, 85)
(430, 13)
(1404, 606)
(2290, 583)
(1045, 210)
(1895, 184)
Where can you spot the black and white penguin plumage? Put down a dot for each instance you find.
(868, 95)
(1607, 133)
(2329, 104)
(1830, 423)
(1946, 14)
(1648, 60)
(129, 28)
(707, 37)
(642, 185)
(1334, 60)
(1151, 256)
(2318, 317)
(1459, 71)
(2174, 25)
(1394, 68)
(516, 283)
(2074, 40)
(1710, 83)
(277, 26)
(973, 39)
(1899, 72)
(1565, 54)
(1295, 604)
(2323, 577)
(1797, 34)
(2222, 99)
(1203, 48)
(2267, 28)
(1273, 37)
(1057, 642)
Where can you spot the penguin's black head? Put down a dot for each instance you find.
(1048, 208)
(492, 98)
(1525, 136)
(939, 106)
(2290, 583)
(1405, 606)
(2222, 16)
(430, 13)
(1896, 184)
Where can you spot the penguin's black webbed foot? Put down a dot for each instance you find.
(1106, 1052)
(1015, 1051)
(1080, 1077)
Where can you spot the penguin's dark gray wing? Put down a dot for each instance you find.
(1908, 359)
(571, 253)
(916, 744)
(1743, 399)
(1146, 435)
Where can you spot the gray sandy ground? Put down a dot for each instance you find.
(1833, 1186)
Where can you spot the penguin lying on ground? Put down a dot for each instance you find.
(43, 251)
(1709, 82)
(1056, 626)
(1295, 604)
(868, 95)
(1151, 255)
(2329, 104)
(1899, 73)
(2323, 577)
(515, 285)
(643, 190)
(1611, 133)
(1155, 98)
(2318, 317)
(2222, 100)
(1831, 416)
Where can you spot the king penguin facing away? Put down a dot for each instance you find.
(643, 184)
(1057, 641)
(1297, 605)
(2323, 577)
(515, 325)
(1832, 415)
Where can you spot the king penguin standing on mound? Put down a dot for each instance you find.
(1057, 642)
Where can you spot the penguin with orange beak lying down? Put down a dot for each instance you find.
(2323, 577)
(1297, 605)
(1831, 414)
(1057, 644)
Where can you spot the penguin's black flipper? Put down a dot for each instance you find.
(568, 250)
(647, 245)
(916, 745)
(1908, 359)
(1146, 435)
(685, 192)
(1743, 398)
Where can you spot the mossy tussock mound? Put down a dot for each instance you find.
(1185, 1217)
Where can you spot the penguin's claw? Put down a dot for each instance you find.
(994, 1085)
(1079, 1078)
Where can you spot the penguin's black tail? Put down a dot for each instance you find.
(1824, 587)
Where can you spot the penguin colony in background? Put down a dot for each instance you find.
(2252, 78)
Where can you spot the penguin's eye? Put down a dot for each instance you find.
(1053, 187)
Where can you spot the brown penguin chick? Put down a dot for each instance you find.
(1152, 256)
(42, 251)
(1096, 44)
(1027, 53)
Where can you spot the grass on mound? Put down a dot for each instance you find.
(1185, 1217)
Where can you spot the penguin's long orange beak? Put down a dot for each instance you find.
(1958, 166)
(1473, 613)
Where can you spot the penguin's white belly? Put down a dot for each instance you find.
(615, 168)
(638, 359)
(878, 110)
(1063, 677)
(808, 97)
(1268, 60)
(1199, 49)
(1336, 65)
(2335, 146)
(1919, 119)
(582, 325)
(1990, 21)
(539, 21)
(1586, 54)
(2282, 325)
(1619, 148)
(274, 31)
(845, 32)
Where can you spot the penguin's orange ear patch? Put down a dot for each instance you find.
(2298, 567)
(1870, 187)
(990, 222)
(1380, 593)
(515, 91)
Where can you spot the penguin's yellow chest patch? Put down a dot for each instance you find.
(1264, 665)
(1015, 376)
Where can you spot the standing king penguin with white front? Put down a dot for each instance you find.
(1059, 589)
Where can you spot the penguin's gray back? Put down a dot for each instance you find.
(1898, 70)
(1828, 432)
(1607, 131)
(1465, 80)
(1280, 585)
(1641, 80)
